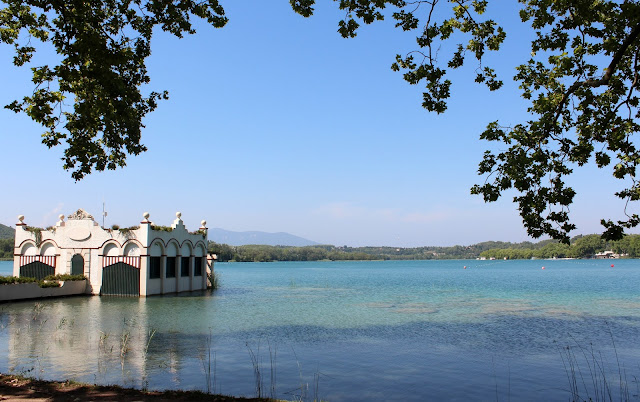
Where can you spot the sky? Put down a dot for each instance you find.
(276, 123)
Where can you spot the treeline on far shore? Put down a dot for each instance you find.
(6, 249)
(580, 247)
(262, 253)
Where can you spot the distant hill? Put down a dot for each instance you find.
(270, 239)
(6, 232)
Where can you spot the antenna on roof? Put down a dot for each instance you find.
(104, 213)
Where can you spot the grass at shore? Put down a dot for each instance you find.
(13, 387)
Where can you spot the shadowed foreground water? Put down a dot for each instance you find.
(394, 330)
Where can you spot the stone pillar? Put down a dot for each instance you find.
(205, 264)
(163, 271)
(191, 265)
(178, 272)
(144, 274)
(86, 268)
(16, 250)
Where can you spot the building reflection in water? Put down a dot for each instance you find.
(138, 342)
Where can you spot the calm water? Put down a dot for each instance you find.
(393, 330)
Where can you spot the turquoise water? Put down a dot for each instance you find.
(6, 268)
(384, 330)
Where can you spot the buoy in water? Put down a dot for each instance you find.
(611, 265)
(465, 267)
(542, 267)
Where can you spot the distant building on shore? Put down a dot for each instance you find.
(609, 254)
(137, 261)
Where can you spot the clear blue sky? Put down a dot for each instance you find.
(276, 123)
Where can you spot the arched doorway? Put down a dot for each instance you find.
(77, 265)
(120, 279)
(37, 269)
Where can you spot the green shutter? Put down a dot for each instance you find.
(37, 269)
(120, 279)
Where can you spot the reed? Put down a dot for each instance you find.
(124, 347)
(213, 280)
(132, 342)
(589, 374)
(37, 310)
(209, 364)
(256, 362)
(273, 352)
(302, 395)
(145, 352)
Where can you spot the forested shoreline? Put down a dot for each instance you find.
(579, 247)
(6, 249)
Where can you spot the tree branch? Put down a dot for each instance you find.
(610, 70)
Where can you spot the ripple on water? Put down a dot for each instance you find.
(402, 308)
(386, 331)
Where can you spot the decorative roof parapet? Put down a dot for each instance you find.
(80, 214)
(178, 222)
(146, 219)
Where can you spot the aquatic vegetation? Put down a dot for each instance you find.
(213, 280)
(124, 346)
(37, 309)
(598, 381)
(256, 362)
(209, 364)
(387, 330)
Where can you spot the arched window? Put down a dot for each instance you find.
(155, 260)
(185, 263)
(172, 252)
(111, 250)
(198, 261)
(77, 265)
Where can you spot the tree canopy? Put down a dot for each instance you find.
(581, 84)
(102, 46)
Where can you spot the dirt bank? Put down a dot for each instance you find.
(15, 388)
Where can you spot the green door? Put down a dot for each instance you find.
(77, 265)
(36, 269)
(120, 279)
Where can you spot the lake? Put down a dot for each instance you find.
(352, 331)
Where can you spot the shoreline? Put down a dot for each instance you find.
(17, 388)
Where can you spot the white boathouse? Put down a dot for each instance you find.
(138, 261)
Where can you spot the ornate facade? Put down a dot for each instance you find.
(143, 260)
